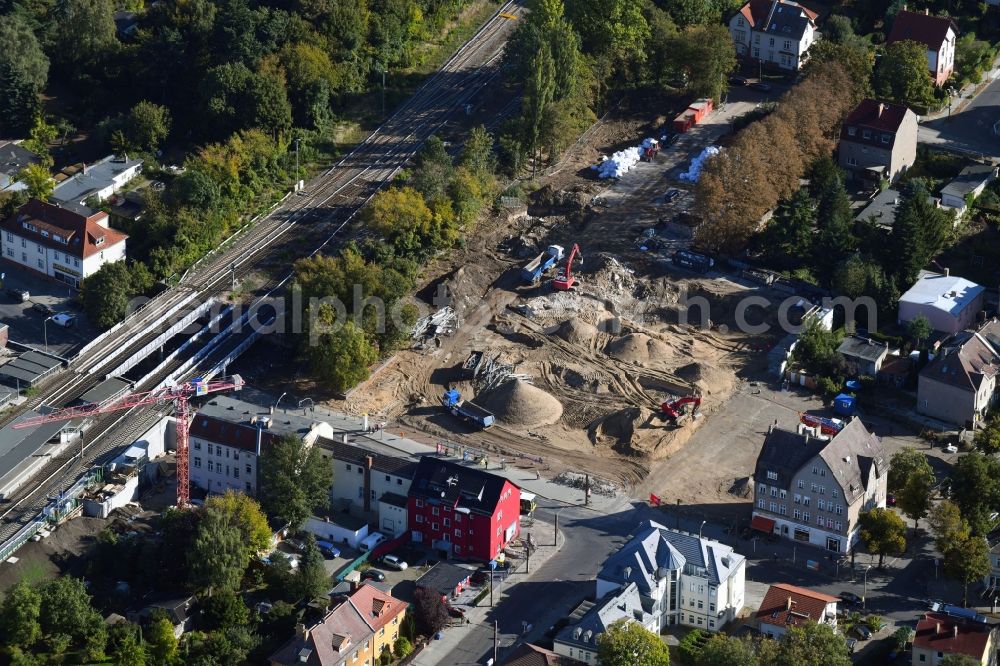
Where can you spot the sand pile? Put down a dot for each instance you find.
(638, 348)
(517, 403)
(577, 332)
(693, 372)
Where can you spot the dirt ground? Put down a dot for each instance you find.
(576, 378)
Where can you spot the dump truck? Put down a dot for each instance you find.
(533, 271)
(693, 261)
(466, 409)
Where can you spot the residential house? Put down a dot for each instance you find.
(367, 476)
(228, 436)
(579, 640)
(950, 303)
(863, 356)
(878, 141)
(177, 611)
(785, 606)
(937, 33)
(62, 244)
(774, 32)
(528, 654)
(881, 209)
(355, 633)
(970, 183)
(681, 578)
(97, 181)
(462, 511)
(446, 579)
(939, 635)
(959, 385)
(13, 159)
(814, 489)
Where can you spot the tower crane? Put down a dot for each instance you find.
(179, 394)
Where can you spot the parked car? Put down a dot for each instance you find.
(762, 86)
(951, 448)
(42, 309)
(456, 612)
(296, 544)
(850, 598)
(328, 549)
(19, 295)
(890, 500)
(373, 574)
(671, 194)
(851, 644)
(394, 562)
(862, 632)
(64, 319)
(737, 80)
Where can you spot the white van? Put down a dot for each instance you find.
(372, 540)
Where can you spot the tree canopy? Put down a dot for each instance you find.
(294, 480)
(883, 532)
(629, 643)
(902, 75)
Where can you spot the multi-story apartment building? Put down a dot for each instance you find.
(682, 578)
(878, 141)
(63, 244)
(938, 33)
(228, 436)
(462, 511)
(963, 633)
(579, 640)
(775, 32)
(813, 489)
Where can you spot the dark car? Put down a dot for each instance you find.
(671, 194)
(19, 295)
(456, 612)
(43, 309)
(863, 632)
(373, 574)
(738, 80)
(850, 598)
(890, 500)
(762, 86)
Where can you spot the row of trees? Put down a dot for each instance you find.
(810, 643)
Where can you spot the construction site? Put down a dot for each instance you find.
(565, 339)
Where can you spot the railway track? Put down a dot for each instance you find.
(316, 220)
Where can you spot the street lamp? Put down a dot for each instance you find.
(280, 397)
(701, 528)
(555, 530)
(45, 332)
(864, 597)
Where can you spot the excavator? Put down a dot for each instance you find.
(565, 280)
(676, 410)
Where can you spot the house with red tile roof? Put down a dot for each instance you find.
(937, 33)
(63, 244)
(940, 635)
(774, 32)
(787, 606)
(878, 141)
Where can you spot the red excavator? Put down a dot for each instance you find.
(676, 409)
(565, 280)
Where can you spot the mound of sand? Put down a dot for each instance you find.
(520, 404)
(693, 372)
(577, 331)
(638, 348)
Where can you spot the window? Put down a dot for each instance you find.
(711, 607)
(701, 604)
(822, 471)
(838, 526)
(360, 470)
(851, 131)
(783, 494)
(249, 470)
(756, 51)
(458, 517)
(773, 476)
(773, 508)
(806, 517)
(866, 133)
(248, 487)
(836, 494)
(802, 484)
(197, 462)
(236, 472)
(348, 467)
(447, 523)
(458, 534)
(820, 521)
(782, 510)
(885, 138)
(797, 514)
(435, 527)
(806, 500)
(761, 503)
(814, 473)
(10, 237)
(419, 519)
(420, 504)
(435, 511)
(923, 657)
(762, 490)
(788, 45)
(771, 42)
(820, 505)
(76, 262)
(840, 510)
(812, 487)
(852, 161)
(739, 21)
(210, 466)
(399, 482)
(386, 477)
(774, 491)
(197, 446)
(822, 490)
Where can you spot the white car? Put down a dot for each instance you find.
(64, 319)
(951, 448)
(394, 562)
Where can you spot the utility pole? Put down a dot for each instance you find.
(496, 639)
(586, 489)
(384, 67)
(297, 140)
(232, 267)
(555, 531)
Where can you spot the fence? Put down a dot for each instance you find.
(355, 563)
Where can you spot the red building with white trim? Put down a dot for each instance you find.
(462, 511)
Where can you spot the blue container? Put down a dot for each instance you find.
(843, 404)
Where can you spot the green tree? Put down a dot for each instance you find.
(477, 154)
(723, 650)
(402, 648)
(987, 440)
(224, 610)
(817, 348)
(433, 170)
(629, 643)
(959, 660)
(88, 25)
(401, 216)
(838, 29)
(919, 329)
(903, 464)
(812, 643)
(19, 615)
(294, 480)
(42, 135)
(902, 637)
(914, 499)
(106, 294)
(975, 488)
(245, 514)
(972, 59)
(24, 71)
(946, 524)
(788, 235)
(615, 29)
(884, 533)
(834, 239)
(161, 642)
(342, 357)
(705, 53)
(902, 75)
(311, 578)
(38, 181)
(856, 58)
(131, 651)
(65, 608)
(194, 189)
(218, 556)
(919, 231)
(968, 561)
(147, 125)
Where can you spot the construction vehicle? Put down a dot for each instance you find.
(467, 410)
(179, 394)
(826, 426)
(693, 261)
(532, 272)
(677, 410)
(565, 280)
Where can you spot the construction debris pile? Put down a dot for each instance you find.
(694, 171)
(518, 403)
(618, 164)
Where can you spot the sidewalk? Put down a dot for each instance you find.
(966, 94)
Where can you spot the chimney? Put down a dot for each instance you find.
(881, 108)
(937, 628)
(927, 12)
(954, 631)
(788, 604)
(807, 436)
(301, 631)
(947, 272)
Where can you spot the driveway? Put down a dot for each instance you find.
(971, 130)
(28, 326)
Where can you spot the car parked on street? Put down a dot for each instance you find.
(850, 598)
(862, 632)
(737, 80)
(296, 544)
(19, 295)
(394, 562)
(890, 500)
(43, 309)
(456, 612)
(64, 319)
(373, 574)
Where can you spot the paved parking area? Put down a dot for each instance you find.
(28, 326)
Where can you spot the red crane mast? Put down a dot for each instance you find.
(179, 394)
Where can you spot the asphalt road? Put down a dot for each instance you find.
(971, 130)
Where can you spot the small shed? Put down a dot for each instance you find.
(844, 404)
(446, 578)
